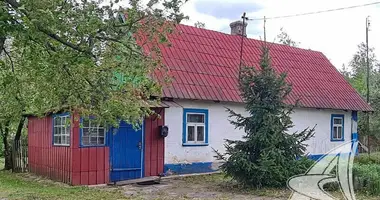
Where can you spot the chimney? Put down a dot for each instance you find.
(237, 28)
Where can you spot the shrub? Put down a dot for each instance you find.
(367, 178)
(374, 158)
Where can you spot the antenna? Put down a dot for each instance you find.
(242, 43)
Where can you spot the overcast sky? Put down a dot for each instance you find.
(336, 34)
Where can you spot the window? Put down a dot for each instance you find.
(93, 133)
(337, 127)
(195, 127)
(61, 130)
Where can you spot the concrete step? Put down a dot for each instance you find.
(141, 181)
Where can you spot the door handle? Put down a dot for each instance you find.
(139, 145)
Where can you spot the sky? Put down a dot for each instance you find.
(336, 34)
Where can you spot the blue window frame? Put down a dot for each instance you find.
(61, 129)
(337, 127)
(92, 133)
(195, 127)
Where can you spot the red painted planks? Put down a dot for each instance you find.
(92, 159)
(45, 159)
(154, 145)
(84, 161)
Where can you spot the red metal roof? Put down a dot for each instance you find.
(204, 65)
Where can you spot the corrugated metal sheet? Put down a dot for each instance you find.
(204, 65)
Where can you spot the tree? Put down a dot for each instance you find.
(267, 155)
(345, 72)
(79, 56)
(284, 38)
(358, 79)
(199, 24)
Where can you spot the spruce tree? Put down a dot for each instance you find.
(268, 154)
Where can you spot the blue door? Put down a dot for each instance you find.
(126, 148)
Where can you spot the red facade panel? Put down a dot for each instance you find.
(45, 159)
(73, 165)
(154, 144)
(78, 165)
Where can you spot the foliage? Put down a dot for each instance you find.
(199, 24)
(284, 38)
(356, 74)
(69, 55)
(365, 159)
(1, 147)
(267, 155)
(64, 55)
(367, 178)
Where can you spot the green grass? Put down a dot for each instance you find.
(22, 186)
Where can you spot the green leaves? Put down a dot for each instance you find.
(356, 75)
(65, 54)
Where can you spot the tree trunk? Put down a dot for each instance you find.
(7, 149)
(19, 128)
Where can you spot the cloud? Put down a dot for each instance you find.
(225, 10)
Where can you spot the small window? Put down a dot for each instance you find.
(61, 130)
(93, 133)
(195, 127)
(337, 127)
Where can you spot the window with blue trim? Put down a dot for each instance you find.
(61, 130)
(195, 127)
(93, 133)
(337, 127)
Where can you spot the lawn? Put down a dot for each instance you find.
(216, 186)
(23, 186)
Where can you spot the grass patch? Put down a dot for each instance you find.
(19, 186)
(219, 182)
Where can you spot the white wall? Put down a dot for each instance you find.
(220, 129)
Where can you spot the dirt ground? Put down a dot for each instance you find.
(198, 187)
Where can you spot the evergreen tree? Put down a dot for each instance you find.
(267, 155)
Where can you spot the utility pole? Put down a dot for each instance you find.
(242, 43)
(367, 23)
(265, 33)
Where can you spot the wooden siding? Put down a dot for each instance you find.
(45, 159)
(72, 164)
(154, 144)
(90, 164)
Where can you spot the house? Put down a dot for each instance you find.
(204, 66)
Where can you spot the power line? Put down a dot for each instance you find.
(317, 12)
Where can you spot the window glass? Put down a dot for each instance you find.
(337, 121)
(93, 133)
(196, 118)
(190, 133)
(61, 130)
(200, 133)
(195, 127)
(337, 128)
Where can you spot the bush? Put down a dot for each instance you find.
(367, 178)
(1, 147)
(365, 159)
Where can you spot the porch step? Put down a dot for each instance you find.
(141, 181)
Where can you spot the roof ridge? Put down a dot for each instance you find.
(229, 35)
